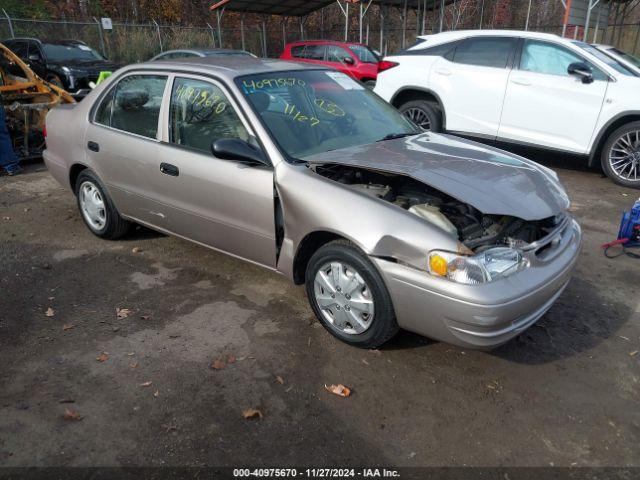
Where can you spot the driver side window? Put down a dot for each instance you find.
(550, 59)
(200, 113)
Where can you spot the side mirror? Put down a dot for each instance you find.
(582, 70)
(348, 60)
(33, 57)
(236, 149)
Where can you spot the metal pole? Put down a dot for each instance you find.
(104, 54)
(322, 23)
(381, 14)
(219, 19)
(526, 23)
(9, 21)
(565, 21)
(424, 17)
(159, 35)
(242, 31)
(213, 36)
(301, 28)
(360, 22)
(264, 38)
(404, 24)
(284, 33)
(482, 13)
(346, 22)
(595, 31)
(590, 6)
(418, 19)
(441, 15)
(367, 41)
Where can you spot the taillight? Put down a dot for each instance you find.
(386, 65)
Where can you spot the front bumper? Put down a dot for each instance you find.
(490, 314)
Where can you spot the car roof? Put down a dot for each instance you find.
(324, 42)
(229, 67)
(51, 41)
(205, 51)
(450, 36)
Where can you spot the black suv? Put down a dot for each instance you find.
(69, 64)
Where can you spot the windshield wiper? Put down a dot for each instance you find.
(393, 136)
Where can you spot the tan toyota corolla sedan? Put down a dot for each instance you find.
(305, 172)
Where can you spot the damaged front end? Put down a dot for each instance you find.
(27, 99)
(490, 246)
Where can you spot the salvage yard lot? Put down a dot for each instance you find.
(138, 388)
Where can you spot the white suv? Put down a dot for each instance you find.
(522, 87)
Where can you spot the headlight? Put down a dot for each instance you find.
(483, 267)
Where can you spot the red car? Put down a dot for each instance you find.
(354, 59)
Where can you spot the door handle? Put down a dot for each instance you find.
(169, 169)
(93, 146)
(443, 71)
(521, 81)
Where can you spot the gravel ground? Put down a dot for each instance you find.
(563, 393)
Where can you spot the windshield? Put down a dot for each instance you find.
(315, 111)
(603, 57)
(64, 53)
(364, 54)
(627, 56)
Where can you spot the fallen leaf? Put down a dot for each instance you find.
(217, 364)
(279, 379)
(70, 414)
(365, 362)
(145, 317)
(136, 249)
(131, 354)
(375, 350)
(52, 298)
(68, 326)
(123, 312)
(7, 218)
(633, 354)
(103, 357)
(252, 413)
(339, 390)
(146, 384)
(133, 365)
(49, 312)
(231, 359)
(156, 393)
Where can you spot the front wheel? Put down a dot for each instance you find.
(349, 297)
(423, 114)
(621, 155)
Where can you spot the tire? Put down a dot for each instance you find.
(90, 193)
(370, 84)
(625, 170)
(423, 113)
(357, 269)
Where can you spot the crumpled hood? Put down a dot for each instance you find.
(493, 181)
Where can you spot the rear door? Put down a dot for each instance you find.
(121, 142)
(471, 83)
(546, 106)
(224, 204)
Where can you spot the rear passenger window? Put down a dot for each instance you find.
(314, 52)
(485, 51)
(134, 105)
(297, 51)
(200, 113)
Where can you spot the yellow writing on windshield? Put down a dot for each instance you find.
(295, 113)
(277, 82)
(199, 97)
(329, 107)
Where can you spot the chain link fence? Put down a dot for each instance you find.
(130, 43)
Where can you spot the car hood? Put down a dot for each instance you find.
(91, 66)
(493, 181)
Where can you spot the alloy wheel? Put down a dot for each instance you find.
(624, 156)
(419, 117)
(344, 298)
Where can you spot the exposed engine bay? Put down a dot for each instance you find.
(474, 229)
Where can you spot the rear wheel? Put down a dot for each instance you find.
(621, 155)
(349, 297)
(422, 113)
(97, 209)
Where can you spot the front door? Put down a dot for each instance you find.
(224, 204)
(546, 106)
